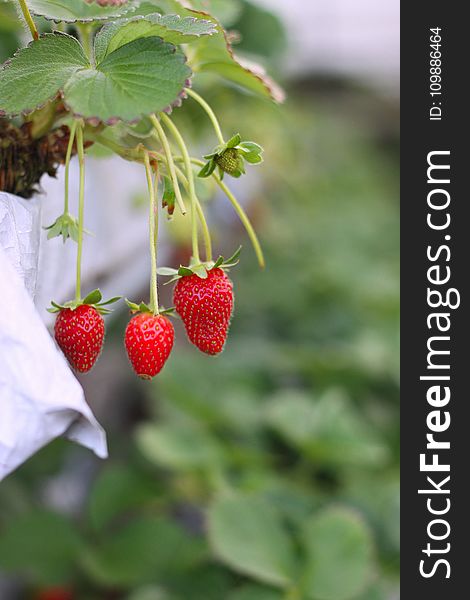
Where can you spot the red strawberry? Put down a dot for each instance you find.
(56, 593)
(149, 340)
(80, 335)
(205, 306)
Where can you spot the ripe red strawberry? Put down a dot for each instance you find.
(80, 335)
(56, 593)
(205, 306)
(149, 340)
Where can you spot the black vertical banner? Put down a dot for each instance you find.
(435, 202)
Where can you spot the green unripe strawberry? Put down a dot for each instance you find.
(230, 162)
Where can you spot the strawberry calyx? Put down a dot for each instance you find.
(93, 299)
(230, 158)
(145, 308)
(200, 269)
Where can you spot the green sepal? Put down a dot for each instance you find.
(245, 151)
(208, 168)
(200, 269)
(169, 196)
(167, 271)
(92, 299)
(233, 141)
(66, 226)
(145, 308)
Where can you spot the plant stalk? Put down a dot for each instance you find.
(202, 219)
(238, 209)
(68, 156)
(29, 19)
(153, 235)
(210, 113)
(81, 203)
(160, 133)
(192, 189)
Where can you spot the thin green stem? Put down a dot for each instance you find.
(238, 209)
(210, 113)
(202, 218)
(153, 233)
(192, 188)
(160, 133)
(85, 32)
(81, 203)
(73, 128)
(29, 19)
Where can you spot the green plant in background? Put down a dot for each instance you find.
(275, 475)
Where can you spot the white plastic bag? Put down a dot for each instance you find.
(40, 399)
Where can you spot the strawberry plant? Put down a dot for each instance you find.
(110, 73)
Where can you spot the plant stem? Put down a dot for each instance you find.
(238, 209)
(169, 160)
(205, 228)
(153, 234)
(85, 32)
(192, 189)
(73, 128)
(210, 113)
(29, 19)
(81, 202)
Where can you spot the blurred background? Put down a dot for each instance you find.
(227, 476)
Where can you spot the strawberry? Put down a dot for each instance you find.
(80, 335)
(79, 329)
(205, 306)
(56, 593)
(230, 161)
(149, 340)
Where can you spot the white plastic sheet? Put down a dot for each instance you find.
(40, 399)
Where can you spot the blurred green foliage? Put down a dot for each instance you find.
(270, 473)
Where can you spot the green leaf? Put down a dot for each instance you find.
(138, 79)
(255, 592)
(117, 490)
(178, 446)
(248, 535)
(215, 54)
(40, 545)
(327, 429)
(93, 297)
(71, 11)
(36, 73)
(141, 551)
(339, 552)
(171, 28)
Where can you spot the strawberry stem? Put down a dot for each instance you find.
(29, 19)
(81, 202)
(160, 134)
(153, 233)
(202, 219)
(73, 129)
(238, 209)
(192, 189)
(210, 113)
